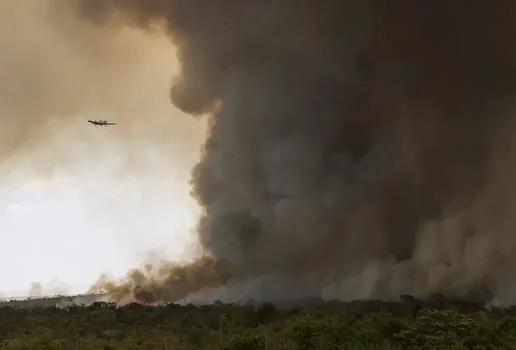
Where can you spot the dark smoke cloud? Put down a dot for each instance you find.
(353, 146)
(166, 281)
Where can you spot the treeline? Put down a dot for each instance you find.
(222, 326)
(50, 301)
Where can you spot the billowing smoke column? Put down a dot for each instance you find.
(351, 152)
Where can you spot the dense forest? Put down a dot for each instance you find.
(362, 325)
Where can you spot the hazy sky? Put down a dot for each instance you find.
(73, 228)
(76, 200)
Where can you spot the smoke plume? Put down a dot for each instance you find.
(355, 147)
(56, 70)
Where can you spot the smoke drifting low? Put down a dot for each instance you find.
(55, 287)
(357, 150)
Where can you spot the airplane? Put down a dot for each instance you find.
(100, 122)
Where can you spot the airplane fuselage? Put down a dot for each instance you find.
(100, 122)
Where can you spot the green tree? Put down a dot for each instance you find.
(247, 341)
(437, 329)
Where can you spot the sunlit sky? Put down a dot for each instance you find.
(74, 224)
(77, 201)
(104, 214)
